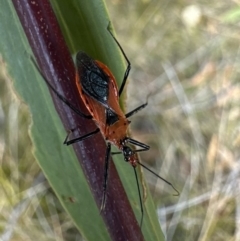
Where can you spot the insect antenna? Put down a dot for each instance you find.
(155, 174)
(148, 169)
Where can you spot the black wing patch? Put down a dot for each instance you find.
(93, 80)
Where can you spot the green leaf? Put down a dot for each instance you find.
(84, 27)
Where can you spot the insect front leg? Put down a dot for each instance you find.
(137, 143)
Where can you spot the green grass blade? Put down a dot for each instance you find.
(61, 166)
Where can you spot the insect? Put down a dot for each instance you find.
(99, 92)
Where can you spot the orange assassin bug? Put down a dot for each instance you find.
(99, 92)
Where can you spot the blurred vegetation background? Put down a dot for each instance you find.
(185, 60)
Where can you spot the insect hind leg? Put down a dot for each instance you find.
(81, 138)
(127, 60)
(61, 97)
(106, 168)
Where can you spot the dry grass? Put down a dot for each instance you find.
(190, 70)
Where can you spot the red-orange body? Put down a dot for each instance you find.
(116, 132)
(99, 92)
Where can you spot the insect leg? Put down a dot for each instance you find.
(137, 143)
(68, 134)
(136, 110)
(106, 167)
(81, 138)
(63, 99)
(138, 187)
(126, 58)
(145, 148)
(116, 153)
(139, 194)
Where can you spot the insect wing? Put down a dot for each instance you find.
(93, 80)
(97, 110)
(113, 111)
